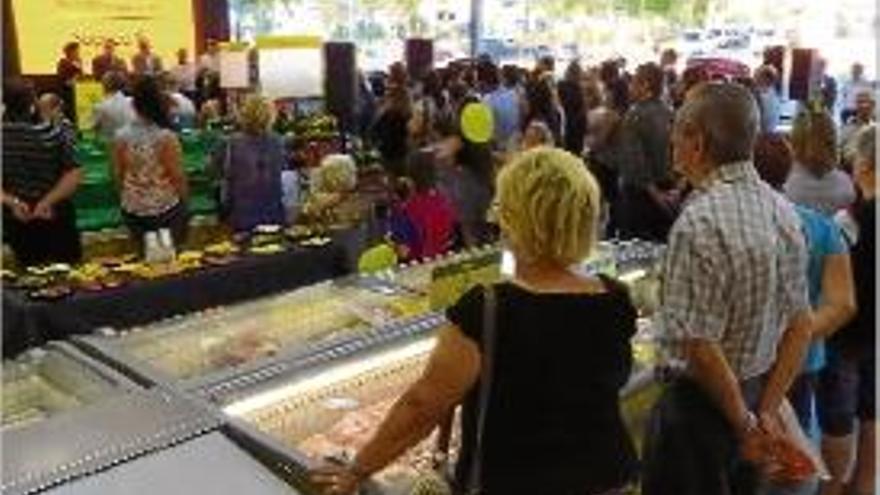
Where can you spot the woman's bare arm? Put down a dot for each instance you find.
(838, 304)
(452, 370)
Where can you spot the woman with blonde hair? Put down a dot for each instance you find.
(816, 181)
(250, 164)
(554, 353)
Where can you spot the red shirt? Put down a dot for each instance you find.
(432, 215)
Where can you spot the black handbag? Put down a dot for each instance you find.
(437, 482)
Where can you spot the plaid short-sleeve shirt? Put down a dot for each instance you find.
(735, 271)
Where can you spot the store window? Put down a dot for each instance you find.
(378, 27)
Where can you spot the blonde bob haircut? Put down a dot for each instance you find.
(548, 206)
(256, 115)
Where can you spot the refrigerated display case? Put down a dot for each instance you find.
(191, 351)
(52, 380)
(147, 441)
(273, 385)
(195, 351)
(332, 410)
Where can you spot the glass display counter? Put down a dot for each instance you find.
(52, 380)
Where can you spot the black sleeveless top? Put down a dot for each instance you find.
(554, 423)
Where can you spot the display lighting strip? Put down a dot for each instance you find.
(334, 375)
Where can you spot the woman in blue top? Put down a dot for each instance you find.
(829, 272)
(250, 166)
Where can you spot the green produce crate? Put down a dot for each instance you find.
(97, 201)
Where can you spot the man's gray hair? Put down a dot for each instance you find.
(865, 146)
(726, 116)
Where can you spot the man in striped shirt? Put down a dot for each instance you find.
(40, 175)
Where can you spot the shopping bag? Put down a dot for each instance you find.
(795, 458)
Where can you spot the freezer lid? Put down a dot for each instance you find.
(211, 463)
(93, 438)
(52, 380)
(234, 387)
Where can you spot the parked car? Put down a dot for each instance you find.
(718, 67)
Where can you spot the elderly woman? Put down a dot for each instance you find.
(250, 166)
(815, 180)
(333, 197)
(553, 423)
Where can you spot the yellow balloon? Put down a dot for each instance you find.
(477, 123)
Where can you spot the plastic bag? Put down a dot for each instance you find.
(795, 458)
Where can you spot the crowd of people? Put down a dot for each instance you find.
(768, 286)
(768, 293)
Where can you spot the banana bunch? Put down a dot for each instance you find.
(88, 272)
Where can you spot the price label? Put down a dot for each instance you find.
(450, 282)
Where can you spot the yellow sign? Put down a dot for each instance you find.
(451, 281)
(283, 42)
(477, 123)
(378, 258)
(87, 94)
(45, 26)
(229, 46)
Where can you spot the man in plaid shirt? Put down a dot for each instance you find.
(735, 307)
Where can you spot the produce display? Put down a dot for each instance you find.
(61, 280)
(57, 281)
(310, 136)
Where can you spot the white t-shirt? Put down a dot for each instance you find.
(112, 114)
(212, 63)
(185, 75)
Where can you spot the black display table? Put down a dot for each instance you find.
(28, 323)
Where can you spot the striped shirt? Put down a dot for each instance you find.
(735, 271)
(35, 157)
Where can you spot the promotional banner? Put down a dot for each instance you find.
(45, 26)
(291, 66)
(234, 66)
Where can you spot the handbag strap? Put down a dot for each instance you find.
(486, 372)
